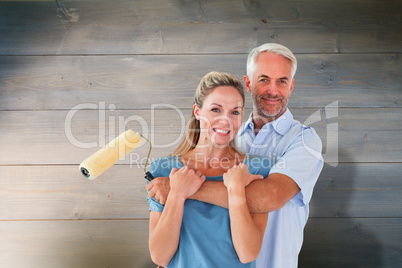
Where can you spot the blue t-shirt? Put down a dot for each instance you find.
(205, 238)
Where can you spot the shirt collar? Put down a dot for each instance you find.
(248, 125)
(281, 125)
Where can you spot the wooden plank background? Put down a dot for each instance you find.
(73, 74)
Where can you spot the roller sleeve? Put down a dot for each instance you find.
(115, 150)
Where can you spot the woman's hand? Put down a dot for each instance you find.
(239, 176)
(185, 182)
(247, 230)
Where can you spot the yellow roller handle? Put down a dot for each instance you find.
(115, 150)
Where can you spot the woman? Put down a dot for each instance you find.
(189, 233)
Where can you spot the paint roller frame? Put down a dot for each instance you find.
(148, 175)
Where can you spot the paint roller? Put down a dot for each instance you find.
(115, 150)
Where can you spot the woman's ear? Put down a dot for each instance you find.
(196, 111)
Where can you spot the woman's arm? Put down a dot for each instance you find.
(247, 229)
(164, 228)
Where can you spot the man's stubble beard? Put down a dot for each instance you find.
(259, 107)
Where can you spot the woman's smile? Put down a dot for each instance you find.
(220, 131)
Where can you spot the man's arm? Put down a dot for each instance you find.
(265, 195)
(271, 194)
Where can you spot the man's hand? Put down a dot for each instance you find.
(159, 189)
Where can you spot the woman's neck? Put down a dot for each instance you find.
(211, 151)
(212, 159)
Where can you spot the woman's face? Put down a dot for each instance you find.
(220, 116)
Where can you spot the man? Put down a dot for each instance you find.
(295, 150)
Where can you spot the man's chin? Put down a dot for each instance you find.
(270, 112)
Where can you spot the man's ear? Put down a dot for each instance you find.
(196, 111)
(292, 85)
(247, 83)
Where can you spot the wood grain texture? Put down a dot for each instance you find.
(68, 137)
(352, 242)
(352, 190)
(365, 242)
(157, 27)
(81, 244)
(112, 65)
(137, 82)
(62, 193)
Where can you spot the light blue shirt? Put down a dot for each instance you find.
(296, 152)
(205, 237)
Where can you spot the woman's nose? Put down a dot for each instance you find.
(224, 119)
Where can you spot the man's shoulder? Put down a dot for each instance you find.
(301, 136)
(297, 129)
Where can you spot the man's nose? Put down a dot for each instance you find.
(272, 89)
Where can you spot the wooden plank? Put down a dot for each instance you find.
(127, 82)
(101, 64)
(364, 39)
(352, 80)
(359, 242)
(68, 137)
(358, 190)
(81, 244)
(158, 27)
(137, 82)
(61, 192)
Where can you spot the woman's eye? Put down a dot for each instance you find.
(236, 112)
(216, 110)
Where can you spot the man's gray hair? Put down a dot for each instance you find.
(274, 48)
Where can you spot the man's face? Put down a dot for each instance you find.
(271, 85)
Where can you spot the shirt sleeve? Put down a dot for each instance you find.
(259, 165)
(302, 161)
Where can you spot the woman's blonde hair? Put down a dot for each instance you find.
(206, 86)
